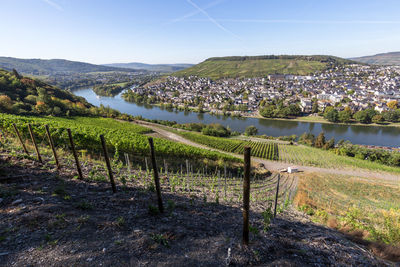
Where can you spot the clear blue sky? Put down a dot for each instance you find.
(179, 31)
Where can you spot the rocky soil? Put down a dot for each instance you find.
(48, 218)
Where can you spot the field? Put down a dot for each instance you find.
(295, 154)
(251, 68)
(120, 136)
(267, 150)
(368, 208)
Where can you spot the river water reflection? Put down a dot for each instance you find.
(366, 135)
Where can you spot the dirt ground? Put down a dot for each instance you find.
(48, 218)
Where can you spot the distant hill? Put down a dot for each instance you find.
(164, 68)
(52, 66)
(392, 58)
(260, 66)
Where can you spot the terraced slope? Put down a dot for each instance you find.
(260, 66)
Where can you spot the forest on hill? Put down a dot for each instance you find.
(27, 96)
(53, 66)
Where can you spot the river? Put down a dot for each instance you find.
(356, 134)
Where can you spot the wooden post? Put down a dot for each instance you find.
(156, 178)
(187, 174)
(276, 195)
(52, 146)
(34, 143)
(110, 174)
(127, 160)
(20, 139)
(246, 195)
(78, 166)
(225, 179)
(147, 167)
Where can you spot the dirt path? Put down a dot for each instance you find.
(277, 165)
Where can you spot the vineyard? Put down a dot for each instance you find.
(120, 136)
(199, 200)
(258, 149)
(219, 185)
(294, 154)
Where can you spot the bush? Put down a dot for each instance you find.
(251, 130)
(331, 114)
(216, 129)
(307, 139)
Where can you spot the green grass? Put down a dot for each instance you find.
(252, 68)
(310, 156)
(352, 203)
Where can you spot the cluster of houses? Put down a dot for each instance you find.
(355, 86)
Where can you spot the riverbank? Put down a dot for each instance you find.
(379, 136)
(320, 119)
(309, 118)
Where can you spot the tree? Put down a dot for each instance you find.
(331, 114)
(392, 104)
(345, 115)
(330, 144)
(267, 112)
(307, 139)
(320, 140)
(314, 108)
(5, 103)
(294, 110)
(216, 129)
(391, 115)
(378, 119)
(200, 107)
(251, 130)
(43, 96)
(364, 116)
(16, 74)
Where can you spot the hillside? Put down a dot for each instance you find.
(53, 66)
(260, 66)
(164, 68)
(23, 95)
(392, 58)
(26, 96)
(61, 220)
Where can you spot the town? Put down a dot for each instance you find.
(355, 86)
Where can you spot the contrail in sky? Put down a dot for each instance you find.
(216, 23)
(53, 4)
(305, 21)
(191, 14)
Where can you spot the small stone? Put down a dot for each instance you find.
(89, 259)
(38, 199)
(1, 200)
(104, 250)
(18, 201)
(136, 231)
